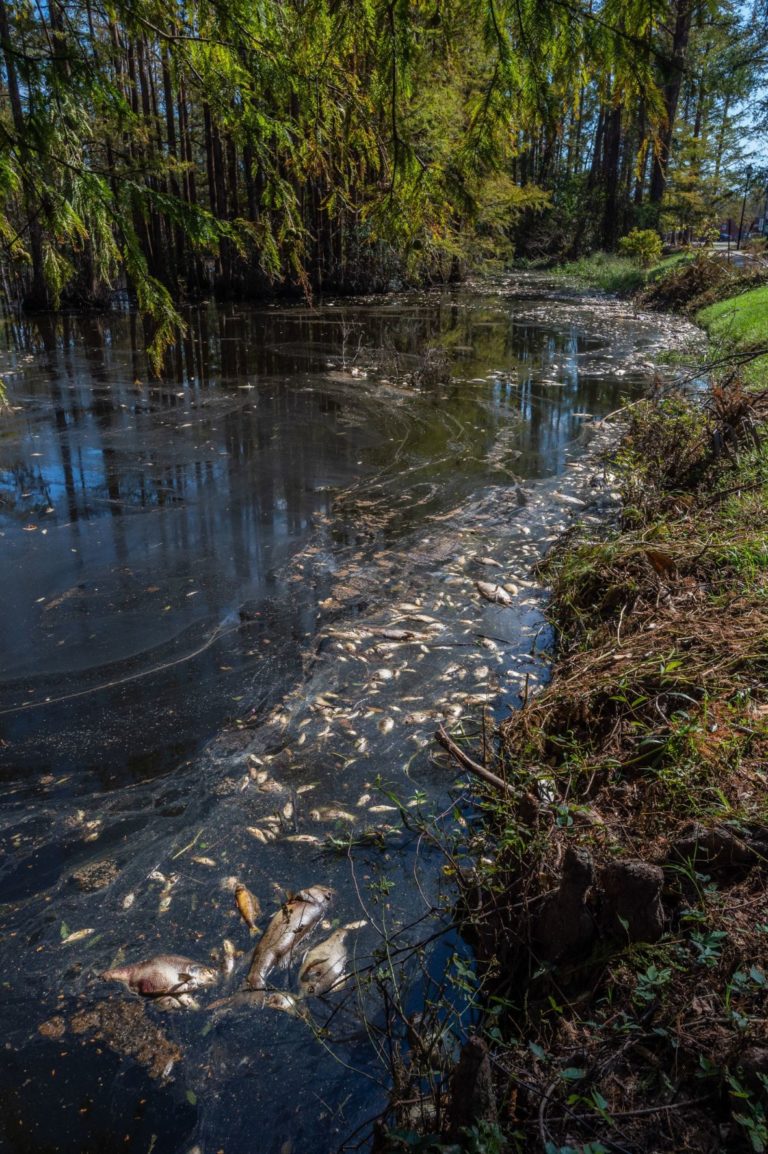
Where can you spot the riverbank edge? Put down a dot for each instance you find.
(617, 906)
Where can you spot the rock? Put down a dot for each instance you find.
(713, 849)
(472, 1097)
(631, 901)
(95, 875)
(753, 1065)
(564, 927)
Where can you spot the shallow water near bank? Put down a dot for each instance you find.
(237, 601)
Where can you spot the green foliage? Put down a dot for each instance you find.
(642, 245)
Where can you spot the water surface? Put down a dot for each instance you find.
(199, 577)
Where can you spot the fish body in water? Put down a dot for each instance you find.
(176, 1002)
(494, 593)
(228, 955)
(279, 1000)
(165, 974)
(290, 925)
(325, 965)
(248, 906)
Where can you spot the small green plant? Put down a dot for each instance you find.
(642, 245)
(751, 1116)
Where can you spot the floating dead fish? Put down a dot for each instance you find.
(396, 634)
(228, 955)
(489, 561)
(330, 813)
(248, 907)
(259, 834)
(567, 499)
(383, 675)
(303, 839)
(324, 966)
(494, 593)
(165, 974)
(204, 861)
(128, 901)
(271, 786)
(290, 925)
(176, 1002)
(77, 936)
(166, 894)
(383, 809)
(287, 1003)
(386, 725)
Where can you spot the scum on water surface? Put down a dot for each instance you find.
(257, 585)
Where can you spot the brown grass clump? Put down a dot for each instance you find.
(701, 282)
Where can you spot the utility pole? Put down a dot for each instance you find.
(747, 178)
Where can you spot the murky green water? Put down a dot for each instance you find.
(199, 679)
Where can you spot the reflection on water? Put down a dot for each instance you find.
(139, 518)
(227, 552)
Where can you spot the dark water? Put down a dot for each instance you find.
(196, 574)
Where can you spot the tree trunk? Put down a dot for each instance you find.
(672, 76)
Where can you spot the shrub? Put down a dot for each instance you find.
(643, 245)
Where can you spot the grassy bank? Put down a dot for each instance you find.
(612, 273)
(741, 323)
(619, 910)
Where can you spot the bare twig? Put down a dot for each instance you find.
(467, 762)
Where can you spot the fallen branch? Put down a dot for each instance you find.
(466, 761)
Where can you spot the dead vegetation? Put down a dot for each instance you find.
(701, 282)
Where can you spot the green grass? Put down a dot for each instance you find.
(617, 274)
(741, 323)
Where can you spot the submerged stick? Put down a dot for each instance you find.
(467, 762)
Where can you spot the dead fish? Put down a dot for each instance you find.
(76, 936)
(290, 925)
(176, 1002)
(205, 861)
(396, 634)
(324, 966)
(259, 834)
(303, 839)
(490, 561)
(567, 499)
(165, 974)
(228, 955)
(248, 907)
(493, 593)
(330, 813)
(386, 725)
(280, 1000)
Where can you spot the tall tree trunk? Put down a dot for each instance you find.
(672, 77)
